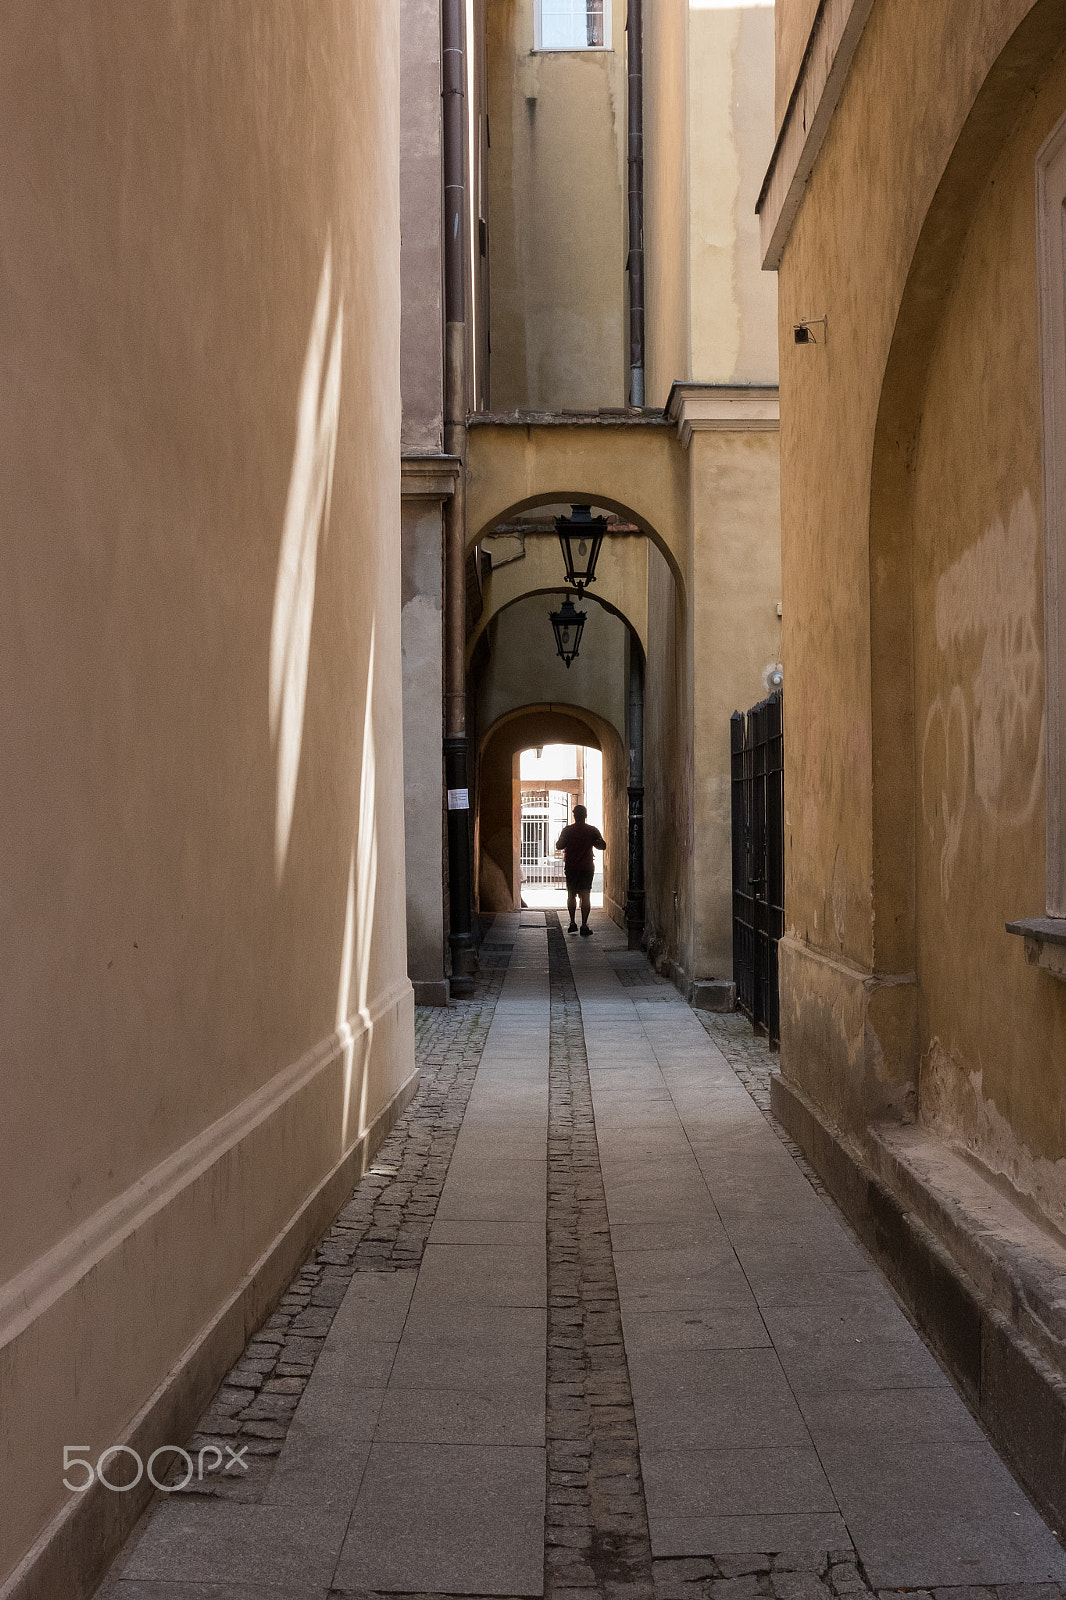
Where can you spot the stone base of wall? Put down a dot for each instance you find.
(713, 994)
(981, 1280)
(430, 993)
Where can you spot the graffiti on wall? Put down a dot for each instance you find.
(983, 740)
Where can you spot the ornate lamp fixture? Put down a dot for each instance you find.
(568, 625)
(580, 537)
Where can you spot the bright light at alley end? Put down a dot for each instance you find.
(568, 624)
(580, 537)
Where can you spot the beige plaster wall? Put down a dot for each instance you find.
(912, 532)
(733, 314)
(736, 631)
(711, 312)
(556, 197)
(205, 992)
(666, 197)
(669, 825)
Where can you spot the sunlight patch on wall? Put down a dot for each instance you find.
(306, 520)
(359, 921)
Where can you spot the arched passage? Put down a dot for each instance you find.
(497, 823)
(637, 470)
(621, 586)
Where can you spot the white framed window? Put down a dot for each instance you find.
(1051, 240)
(571, 24)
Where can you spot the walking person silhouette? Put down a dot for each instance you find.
(577, 841)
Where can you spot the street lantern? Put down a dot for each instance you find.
(568, 624)
(580, 537)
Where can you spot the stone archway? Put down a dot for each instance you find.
(636, 469)
(497, 822)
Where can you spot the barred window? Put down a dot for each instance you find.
(572, 24)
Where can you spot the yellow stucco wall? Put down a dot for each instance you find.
(666, 197)
(736, 586)
(199, 691)
(733, 302)
(708, 120)
(992, 1030)
(912, 532)
(557, 216)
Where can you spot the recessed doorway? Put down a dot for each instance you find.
(555, 778)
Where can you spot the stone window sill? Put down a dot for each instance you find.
(1045, 942)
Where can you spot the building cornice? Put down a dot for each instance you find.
(628, 417)
(723, 408)
(428, 477)
(831, 47)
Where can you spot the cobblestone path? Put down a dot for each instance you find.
(596, 1524)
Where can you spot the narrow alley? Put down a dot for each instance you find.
(588, 1327)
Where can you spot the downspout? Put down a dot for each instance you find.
(635, 260)
(635, 894)
(456, 765)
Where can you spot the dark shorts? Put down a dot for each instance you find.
(579, 881)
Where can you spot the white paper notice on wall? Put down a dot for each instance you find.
(458, 799)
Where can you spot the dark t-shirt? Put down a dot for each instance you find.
(577, 843)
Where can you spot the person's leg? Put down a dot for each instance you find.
(586, 906)
(571, 906)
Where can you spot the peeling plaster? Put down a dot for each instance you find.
(974, 733)
(953, 1103)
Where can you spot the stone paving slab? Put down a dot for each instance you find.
(214, 1542)
(447, 1519)
(748, 1535)
(138, 1590)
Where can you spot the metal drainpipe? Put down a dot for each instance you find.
(635, 896)
(635, 261)
(456, 764)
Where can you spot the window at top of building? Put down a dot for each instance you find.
(572, 24)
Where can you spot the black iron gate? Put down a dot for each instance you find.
(758, 861)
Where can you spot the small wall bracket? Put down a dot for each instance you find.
(803, 332)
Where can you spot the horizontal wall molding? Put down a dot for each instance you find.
(723, 408)
(428, 477)
(54, 1274)
(73, 1552)
(831, 47)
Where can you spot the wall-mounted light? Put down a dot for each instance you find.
(568, 624)
(803, 332)
(580, 537)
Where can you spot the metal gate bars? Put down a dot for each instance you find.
(758, 861)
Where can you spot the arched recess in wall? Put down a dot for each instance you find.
(499, 805)
(930, 285)
(555, 593)
(593, 497)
